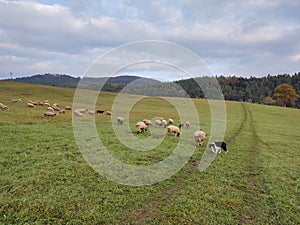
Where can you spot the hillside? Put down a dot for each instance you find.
(255, 90)
(46, 180)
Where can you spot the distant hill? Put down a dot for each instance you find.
(62, 80)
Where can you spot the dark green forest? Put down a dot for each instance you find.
(251, 89)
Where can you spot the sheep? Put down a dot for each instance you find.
(82, 110)
(120, 120)
(199, 137)
(181, 124)
(141, 127)
(19, 100)
(55, 105)
(164, 123)
(30, 105)
(187, 124)
(14, 101)
(108, 113)
(2, 106)
(173, 129)
(77, 113)
(68, 108)
(62, 111)
(50, 108)
(170, 121)
(40, 103)
(47, 104)
(147, 122)
(158, 123)
(100, 111)
(91, 113)
(50, 114)
(34, 103)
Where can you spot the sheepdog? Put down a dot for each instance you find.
(217, 147)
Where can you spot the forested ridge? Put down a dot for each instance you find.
(243, 89)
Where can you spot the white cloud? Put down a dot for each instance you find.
(69, 35)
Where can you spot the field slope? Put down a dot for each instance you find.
(45, 180)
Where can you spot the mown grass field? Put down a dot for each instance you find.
(45, 179)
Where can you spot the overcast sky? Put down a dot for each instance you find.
(242, 38)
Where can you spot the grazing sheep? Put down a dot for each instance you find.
(120, 120)
(30, 105)
(2, 106)
(181, 124)
(158, 123)
(50, 108)
(30, 101)
(14, 101)
(19, 100)
(77, 113)
(91, 113)
(50, 114)
(34, 103)
(147, 122)
(141, 127)
(108, 113)
(68, 108)
(55, 105)
(40, 103)
(62, 111)
(170, 121)
(187, 124)
(47, 104)
(100, 111)
(199, 137)
(164, 123)
(82, 110)
(173, 129)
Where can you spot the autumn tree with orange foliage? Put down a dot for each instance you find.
(285, 94)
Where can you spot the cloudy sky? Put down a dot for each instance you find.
(243, 38)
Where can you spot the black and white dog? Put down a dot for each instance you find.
(217, 146)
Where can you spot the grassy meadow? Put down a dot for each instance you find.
(45, 179)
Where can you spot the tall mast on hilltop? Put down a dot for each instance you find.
(11, 76)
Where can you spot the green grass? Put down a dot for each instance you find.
(45, 179)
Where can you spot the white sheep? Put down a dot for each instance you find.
(141, 127)
(50, 108)
(173, 129)
(187, 124)
(14, 101)
(62, 111)
(91, 113)
(2, 106)
(68, 108)
(147, 122)
(158, 123)
(199, 137)
(108, 113)
(77, 113)
(164, 123)
(30, 105)
(47, 104)
(170, 121)
(50, 114)
(120, 120)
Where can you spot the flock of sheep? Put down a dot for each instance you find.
(141, 126)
